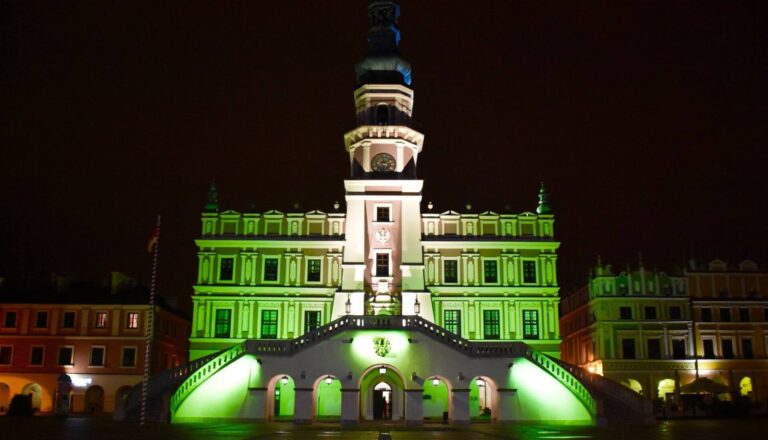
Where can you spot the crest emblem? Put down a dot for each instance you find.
(381, 346)
(382, 235)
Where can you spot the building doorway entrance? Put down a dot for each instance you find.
(382, 401)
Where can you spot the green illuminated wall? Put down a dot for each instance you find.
(285, 399)
(541, 397)
(329, 399)
(435, 399)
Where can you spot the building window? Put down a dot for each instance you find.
(97, 356)
(628, 348)
(382, 214)
(727, 348)
(725, 315)
(223, 320)
(101, 320)
(490, 271)
(10, 319)
(382, 114)
(41, 320)
(530, 324)
(314, 268)
(678, 349)
(529, 272)
(36, 355)
(746, 349)
(709, 348)
(68, 320)
(451, 271)
(744, 315)
(491, 328)
(654, 348)
(270, 269)
(6, 354)
(132, 320)
(706, 315)
(625, 312)
(452, 321)
(675, 312)
(66, 355)
(311, 320)
(226, 269)
(269, 324)
(129, 357)
(382, 265)
(650, 312)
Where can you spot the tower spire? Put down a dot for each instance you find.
(213, 199)
(382, 63)
(543, 207)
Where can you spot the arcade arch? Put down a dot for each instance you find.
(281, 397)
(634, 385)
(327, 397)
(37, 394)
(436, 398)
(483, 398)
(382, 391)
(666, 386)
(745, 387)
(5, 397)
(94, 400)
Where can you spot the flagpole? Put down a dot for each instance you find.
(150, 320)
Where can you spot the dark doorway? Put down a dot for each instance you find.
(382, 402)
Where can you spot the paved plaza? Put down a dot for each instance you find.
(103, 428)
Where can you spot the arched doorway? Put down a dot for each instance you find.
(282, 398)
(121, 400)
(436, 399)
(635, 386)
(36, 392)
(745, 387)
(94, 400)
(482, 399)
(666, 386)
(5, 397)
(382, 394)
(328, 398)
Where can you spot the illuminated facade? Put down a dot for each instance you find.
(654, 332)
(95, 336)
(382, 309)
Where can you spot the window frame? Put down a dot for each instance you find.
(713, 344)
(307, 327)
(679, 313)
(264, 269)
(745, 311)
(685, 348)
(64, 314)
(456, 323)
(15, 315)
(454, 261)
(659, 354)
(71, 362)
(263, 324)
(38, 314)
(531, 321)
(491, 322)
(494, 260)
(123, 350)
(42, 355)
(128, 321)
(10, 355)
(725, 312)
(307, 271)
(376, 254)
(622, 315)
(733, 352)
(388, 207)
(742, 353)
(217, 321)
(708, 310)
(103, 363)
(624, 354)
(96, 316)
(655, 312)
(534, 262)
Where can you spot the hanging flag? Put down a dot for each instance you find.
(153, 238)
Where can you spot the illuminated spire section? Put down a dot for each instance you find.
(383, 63)
(543, 207)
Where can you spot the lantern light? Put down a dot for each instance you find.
(382, 370)
(435, 381)
(417, 306)
(284, 380)
(348, 306)
(328, 379)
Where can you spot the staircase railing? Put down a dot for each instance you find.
(565, 377)
(633, 400)
(208, 369)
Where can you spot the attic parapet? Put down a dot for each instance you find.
(488, 224)
(272, 223)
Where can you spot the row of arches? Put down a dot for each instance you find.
(381, 397)
(93, 401)
(666, 387)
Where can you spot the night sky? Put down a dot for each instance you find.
(646, 120)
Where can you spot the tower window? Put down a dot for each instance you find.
(226, 269)
(451, 271)
(382, 214)
(530, 324)
(269, 324)
(382, 265)
(223, 319)
(452, 321)
(382, 114)
(491, 324)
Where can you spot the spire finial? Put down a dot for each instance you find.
(543, 207)
(213, 199)
(383, 64)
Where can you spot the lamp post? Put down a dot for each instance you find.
(348, 306)
(417, 306)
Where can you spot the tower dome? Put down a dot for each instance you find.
(382, 63)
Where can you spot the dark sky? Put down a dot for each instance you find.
(646, 120)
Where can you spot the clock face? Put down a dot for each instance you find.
(383, 162)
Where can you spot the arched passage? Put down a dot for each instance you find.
(745, 387)
(121, 399)
(482, 398)
(635, 386)
(281, 397)
(381, 394)
(328, 398)
(5, 397)
(36, 392)
(94, 400)
(436, 398)
(666, 386)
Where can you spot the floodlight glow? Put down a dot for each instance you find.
(382, 370)
(328, 380)
(480, 382)
(284, 380)
(435, 381)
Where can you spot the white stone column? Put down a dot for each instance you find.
(414, 409)
(460, 403)
(350, 406)
(303, 409)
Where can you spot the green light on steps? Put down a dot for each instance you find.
(542, 397)
(223, 394)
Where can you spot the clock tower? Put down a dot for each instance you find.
(383, 261)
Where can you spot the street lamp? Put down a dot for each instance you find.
(348, 306)
(417, 306)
